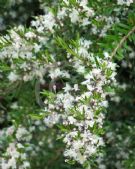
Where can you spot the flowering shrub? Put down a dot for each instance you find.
(57, 75)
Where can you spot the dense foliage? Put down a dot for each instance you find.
(67, 84)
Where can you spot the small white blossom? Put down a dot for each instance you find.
(74, 16)
(13, 77)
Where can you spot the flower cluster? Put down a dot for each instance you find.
(124, 2)
(59, 55)
(15, 153)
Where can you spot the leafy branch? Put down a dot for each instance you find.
(122, 41)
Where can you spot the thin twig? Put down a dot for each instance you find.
(37, 86)
(8, 90)
(37, 94)
(56, 157)
(122, 41)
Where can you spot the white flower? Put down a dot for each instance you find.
(111, 65)
(10, 130)
(91, 149)
(83, 3)
(37, 47)
(85, 43)
(13, 77)
(89, 11)
(51, 120)
(77, 144)
(26, 164)
(21, 132)
(90, 87)
(62, 13)
(132, 55)
(12, 163)
(76, 87)
(124, 2)
(85, 22)
(102, 166)
(12, 151)
(96, 72)
(106, 54)
(55, 73)
(19, 145)
(71, 119)
(14, 105)
(66, 1)
(4, 164)
(30, 35)
(80, 158)
(79, 68)
(49, 21)
(70, 153)
(67, 88)
(104, 103)
(74, 15)
(16, 38)
(46, 21)
(68, 101)
(83, 52)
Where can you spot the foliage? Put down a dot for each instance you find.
(59, 91)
